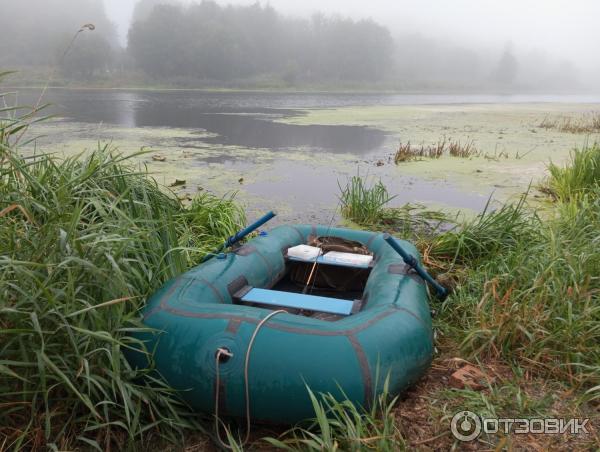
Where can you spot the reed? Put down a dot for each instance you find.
(578, 178)
(588, 123)
(466, 150)
(407, 152)
(404, 153)
(363, 202)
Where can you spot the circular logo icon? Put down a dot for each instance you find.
(465, 426)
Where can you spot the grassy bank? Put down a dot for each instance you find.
(526, 299)
(38, 77)
(83, 241)
(526, 281)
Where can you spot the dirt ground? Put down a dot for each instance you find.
(424, 412)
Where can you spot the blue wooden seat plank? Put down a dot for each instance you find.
(320, 260)
(298, 301)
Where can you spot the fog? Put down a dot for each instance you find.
(513, 45)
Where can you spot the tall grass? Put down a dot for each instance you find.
(490, 234)
(83, 241)
(340, 425)
(537, 301)
(580, 177)
(413, 222)
(362, 202)
(531, 294)
(527, 284)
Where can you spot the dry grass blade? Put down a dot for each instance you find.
(9, 209)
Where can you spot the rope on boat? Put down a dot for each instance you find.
(316, 263)
(221, 351)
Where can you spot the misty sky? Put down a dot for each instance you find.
(562, 28)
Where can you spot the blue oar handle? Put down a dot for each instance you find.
(240, 235)
(411, 261)
(244, 232)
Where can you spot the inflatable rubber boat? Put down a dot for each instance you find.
(244, 334)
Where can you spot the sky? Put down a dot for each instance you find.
(565, 29)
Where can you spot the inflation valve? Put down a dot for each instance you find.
(223, 354)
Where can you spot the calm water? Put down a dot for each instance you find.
(236, 119)
(246, 120)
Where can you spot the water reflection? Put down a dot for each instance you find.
(235, 130)
(233, 119)
(125, 113)
(303, 193)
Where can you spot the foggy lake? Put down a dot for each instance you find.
(306, 162)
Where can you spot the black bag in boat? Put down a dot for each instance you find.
(329, 277)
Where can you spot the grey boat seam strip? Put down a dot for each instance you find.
(267, 263)
(212, 287)
(290, 329)
(299, 233)
(364, 369)
(233, 326)
(373, 237)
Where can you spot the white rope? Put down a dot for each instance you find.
(224, 352)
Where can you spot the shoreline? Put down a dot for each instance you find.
(594, 97)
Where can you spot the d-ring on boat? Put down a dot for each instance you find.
(359, 323)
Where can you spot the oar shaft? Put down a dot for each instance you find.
(244, 232)
(411, 261)
(240, 235)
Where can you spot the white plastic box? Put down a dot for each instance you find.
(304, 252)
(348, 258)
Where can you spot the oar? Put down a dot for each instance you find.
(240, 235)
(411, 261)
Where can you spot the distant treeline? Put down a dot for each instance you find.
(207, 41)
(205, 44)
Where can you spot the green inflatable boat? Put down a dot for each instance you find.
(225, 343)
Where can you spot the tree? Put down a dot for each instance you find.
(144, 8)
(90, 57)
(506, 70)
